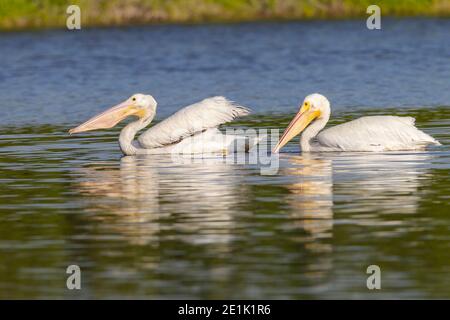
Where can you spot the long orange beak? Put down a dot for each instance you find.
(109, 118)
(301, 120)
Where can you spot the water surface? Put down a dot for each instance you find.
(146, 227)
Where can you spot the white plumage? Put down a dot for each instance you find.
(375, 133)
(192, 129)
(193, 119)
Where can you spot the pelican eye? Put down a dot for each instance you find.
(134, 99)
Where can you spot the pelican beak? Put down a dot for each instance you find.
(109, 118)
(301, 120)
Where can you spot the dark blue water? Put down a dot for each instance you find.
(62, 77)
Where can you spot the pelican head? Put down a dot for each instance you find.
(314, 107)
(139, 105)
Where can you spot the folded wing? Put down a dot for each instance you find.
(209, 113)
(375, 133)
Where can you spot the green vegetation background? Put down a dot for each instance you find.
(21, 14)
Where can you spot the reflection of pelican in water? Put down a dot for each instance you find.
(125, 200)
(310, 201)
(147, 189)
(378, 183)
(311, 194)
(361, 188)
(381, 182)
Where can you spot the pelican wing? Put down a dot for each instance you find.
(209, 113)
(375, 133)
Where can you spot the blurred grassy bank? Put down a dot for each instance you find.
(23, 14)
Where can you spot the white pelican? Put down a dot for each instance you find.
(192, 129)
(375, 133)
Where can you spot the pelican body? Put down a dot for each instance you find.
(374, 133)
(193, 129)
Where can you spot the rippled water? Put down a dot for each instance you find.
(146, 227)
